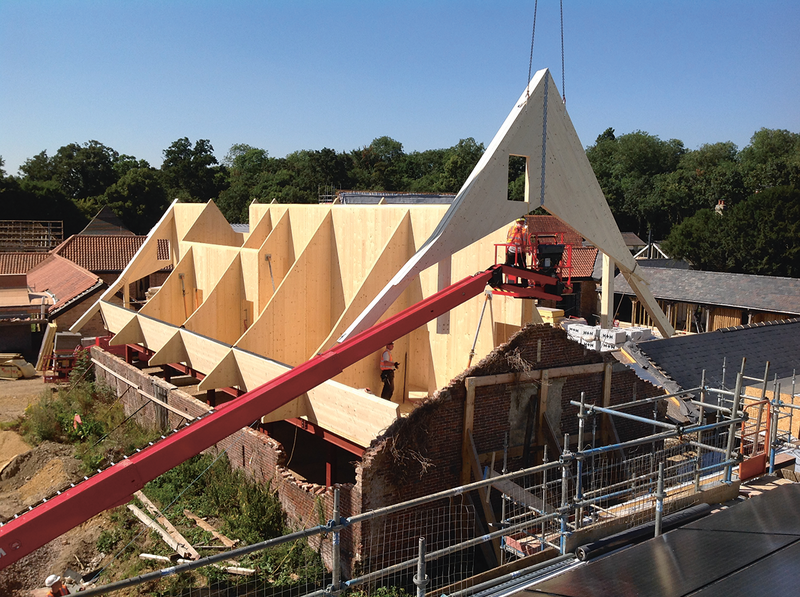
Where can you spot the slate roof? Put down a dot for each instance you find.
(374, 197)
(105, 253)
(742, 291)
(683, 358)
(632, 239)
(673, 263)
(105, 222)
(20, 263)
(61, 277)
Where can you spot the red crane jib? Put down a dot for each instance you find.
(115, 485)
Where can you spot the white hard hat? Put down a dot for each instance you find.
(51, 580)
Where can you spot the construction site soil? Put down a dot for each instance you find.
(26, 476)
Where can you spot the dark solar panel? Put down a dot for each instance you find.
(752, 548)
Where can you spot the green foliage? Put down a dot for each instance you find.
(650, 184)
(760, 235)
(627, 168)
(138, 198)
(52, 418)
(192, 172)
(248, 509)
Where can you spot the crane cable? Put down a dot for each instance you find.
(563, 83)
(530, 60)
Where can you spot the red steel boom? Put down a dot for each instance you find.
(115, 485)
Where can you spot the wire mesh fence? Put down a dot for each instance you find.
(392, 539)
(466, 529)
(537, 508)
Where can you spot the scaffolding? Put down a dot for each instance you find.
(30, 235)
(433, 543)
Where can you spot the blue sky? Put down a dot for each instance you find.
(302, 74)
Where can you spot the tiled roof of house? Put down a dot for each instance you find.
(64, 279)
(546, 225)
(20, 263)
(105, 253)
(742, 291)
(683, 358)
(583, 259)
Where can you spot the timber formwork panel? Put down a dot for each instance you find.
(210, 264)
(280, 248)
(224, 311)
(259, 231)
(174, 303)
(211, 227)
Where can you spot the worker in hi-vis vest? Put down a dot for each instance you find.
(387, 371)
(518, 244)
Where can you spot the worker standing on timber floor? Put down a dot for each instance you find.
(388, 365)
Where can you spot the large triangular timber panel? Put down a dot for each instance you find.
(297, 318)
(212, 228)
(223, 314)
(278, 257)
(144, 262)
(388, 260)
(538, 129)
(259, 231)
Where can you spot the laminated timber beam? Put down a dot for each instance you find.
(346, 412)
(116, 484)
(143, 263)
(558, 177)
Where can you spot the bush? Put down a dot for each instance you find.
(99, 437)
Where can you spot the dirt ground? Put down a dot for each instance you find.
(17, 394)
(26, 476)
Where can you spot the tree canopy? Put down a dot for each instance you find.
(651, 185)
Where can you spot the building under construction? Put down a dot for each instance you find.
(267, 344)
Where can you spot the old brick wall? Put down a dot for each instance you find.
(421, 453)
(261, 457)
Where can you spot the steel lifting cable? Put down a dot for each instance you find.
(530, 60)
(563, 83)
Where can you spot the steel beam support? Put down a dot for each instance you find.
(115, 485)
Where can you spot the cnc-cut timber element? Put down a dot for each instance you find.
(539, 129)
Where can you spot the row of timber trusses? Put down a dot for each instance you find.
(338, 269)
(218, 314)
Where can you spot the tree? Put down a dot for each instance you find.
(379, 165)
(771, 159)
(246, 165)
(84, 170)
(422, 169)
(191, 173)
(760, 235)
(627, 168)
(138, 198)
(458, 164)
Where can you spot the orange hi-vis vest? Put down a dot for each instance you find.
(387, 362)
(517, 237)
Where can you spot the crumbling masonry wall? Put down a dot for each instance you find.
(261, 457)
(421, 454)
